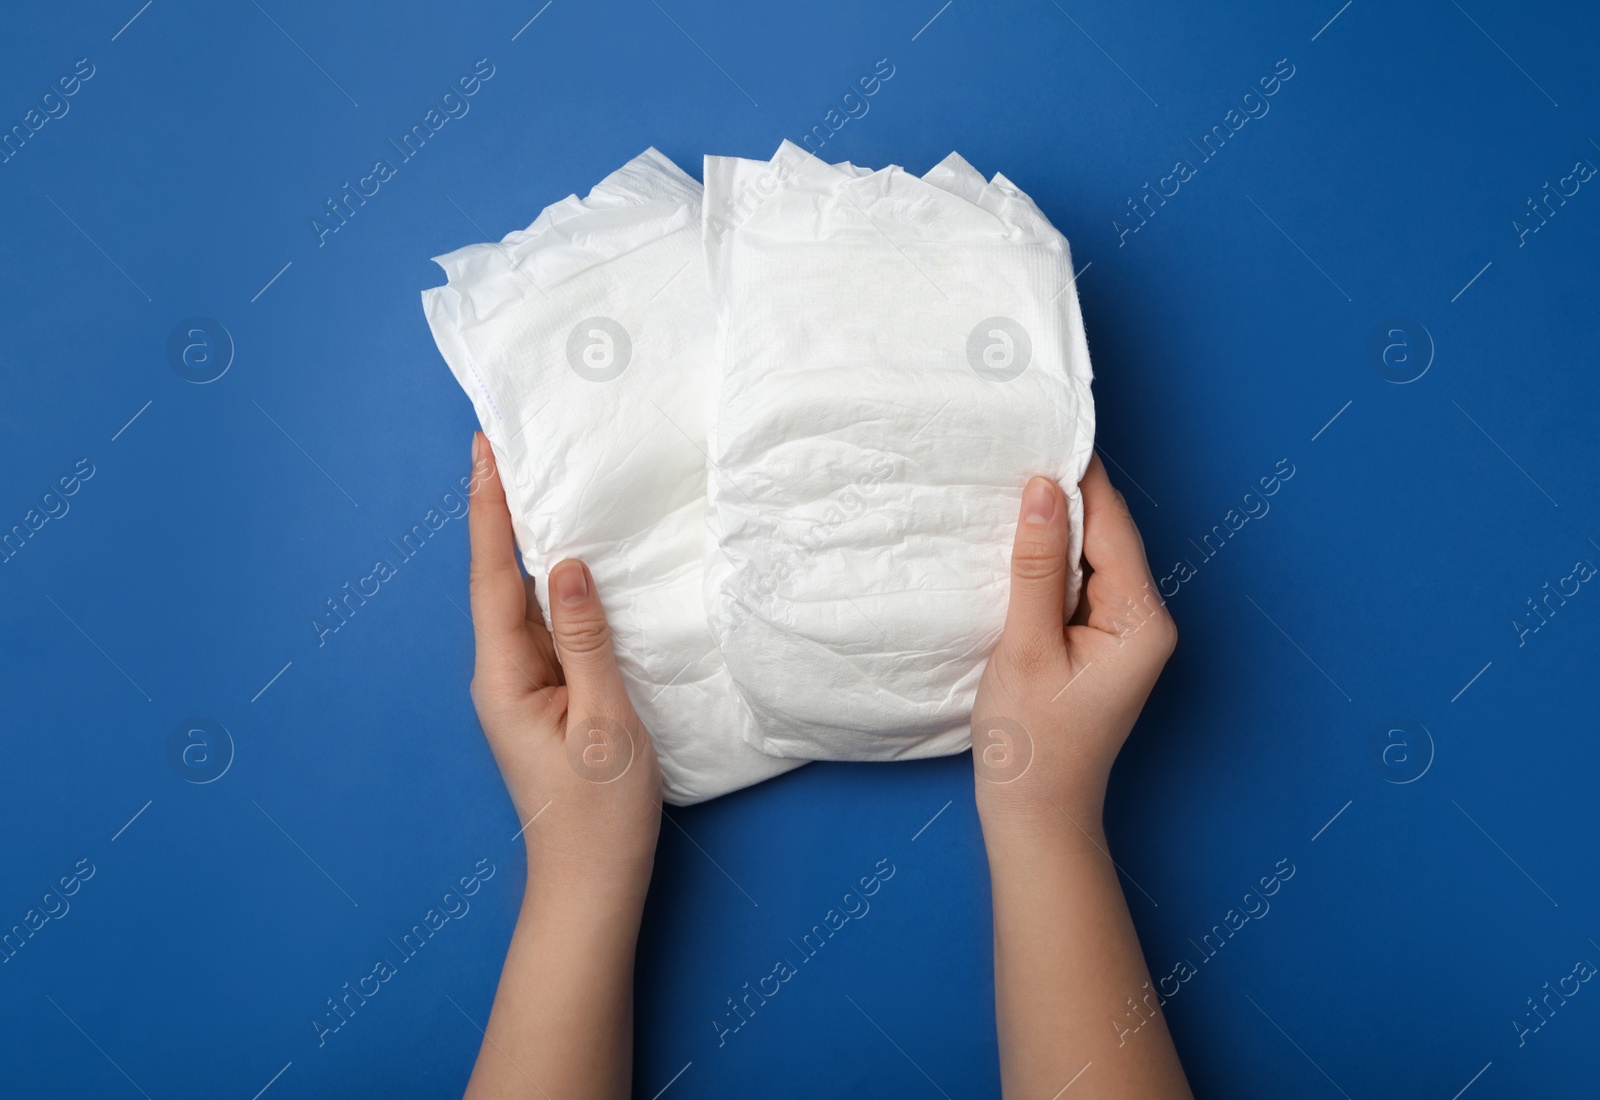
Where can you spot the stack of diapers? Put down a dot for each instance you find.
(897, 356)
(585, 343)
(789, 437)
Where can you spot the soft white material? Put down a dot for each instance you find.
(897, 356)
(585, 343)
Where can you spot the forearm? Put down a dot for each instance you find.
(1067, 962)
(562, 1023)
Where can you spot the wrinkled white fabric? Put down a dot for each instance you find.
(881, 363)
(585, 344)
(897, 356)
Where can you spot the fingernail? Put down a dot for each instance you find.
(1039, 501)
(571, 584)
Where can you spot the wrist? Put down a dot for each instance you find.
(589, 910)
(1062, 817)
(1023, 855)
(586, 887)
(1045, 793)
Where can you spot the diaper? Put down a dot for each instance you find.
(585, 343)
(896, 356)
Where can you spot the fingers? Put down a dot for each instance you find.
(1035, 615)
(536, 627)
(1121, 589)
(583, 642)
(1111, 542)
(498, 599)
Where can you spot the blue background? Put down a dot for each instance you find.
(1227, 332)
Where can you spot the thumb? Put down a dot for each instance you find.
(1035, 617)
(583, 643)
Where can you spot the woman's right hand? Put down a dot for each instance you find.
(1059, 698)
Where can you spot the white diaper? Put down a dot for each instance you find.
(897, 357)
(585, 343)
